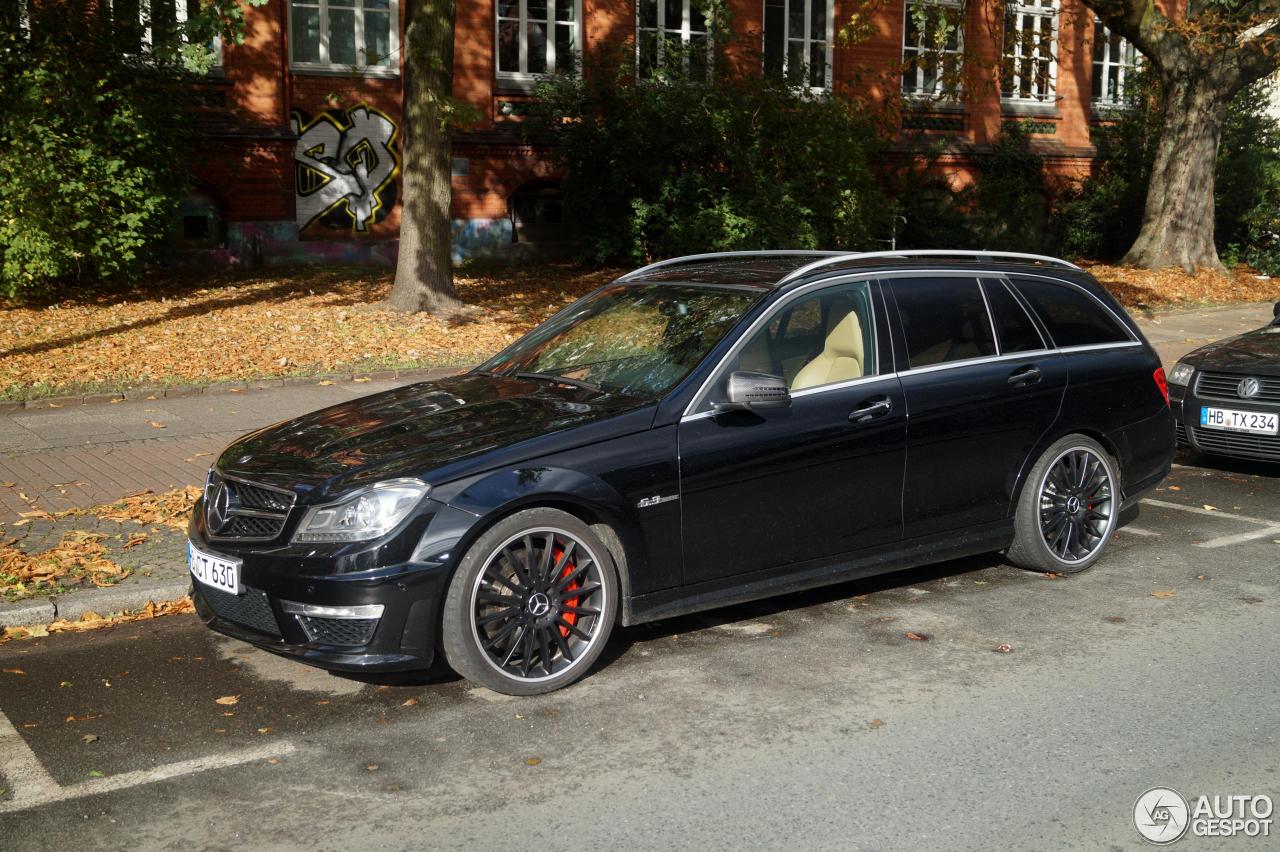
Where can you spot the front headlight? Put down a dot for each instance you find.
(1181, 374)
(368, 513)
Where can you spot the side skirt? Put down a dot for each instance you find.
(785, 579)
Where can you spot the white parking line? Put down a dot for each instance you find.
(32, 784)
(1227, 540)
(1269, 526)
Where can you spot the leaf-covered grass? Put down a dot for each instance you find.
(235, 326)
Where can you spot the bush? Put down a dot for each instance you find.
(93, 152)
(655, 169)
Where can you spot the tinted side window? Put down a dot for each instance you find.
(943, 319)
(1014, 329)
(1072, 317)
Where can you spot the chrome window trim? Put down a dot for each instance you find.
(1021, 302)
(767, 317)
(991, 317)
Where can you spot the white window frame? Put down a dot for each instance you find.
(1045, 14)
(144, 18)
(663, 31)
(523, 24)
(1127, 63)
(324, 66)
(912, 52)
(805, 38)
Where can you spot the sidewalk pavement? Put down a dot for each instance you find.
(75, 457)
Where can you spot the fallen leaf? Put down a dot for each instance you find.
(371, 767)
(1175, 487)
(1164, 593)
(1114, 619)
(362, 379)
(876, 723)
(324, 383)
(1051, 575)
(1004, 648)
(410, 702)
(916, 637)
(264, 730)
(274, 761)
(65, 684)
(135, 539)
(158, 425)
(7, 484)
(89, 738)
(1209, 508)
(93, 773)
(14, 671)
(532, 761)
(227, 699)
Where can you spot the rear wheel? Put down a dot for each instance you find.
(531, 605)
(1068, 508)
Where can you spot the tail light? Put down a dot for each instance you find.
(1162, 383)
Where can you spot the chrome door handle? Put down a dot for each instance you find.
(879, 408)
(1025, 376)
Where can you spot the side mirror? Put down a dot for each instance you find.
(754, 391)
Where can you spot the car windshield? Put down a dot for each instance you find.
(637, 340)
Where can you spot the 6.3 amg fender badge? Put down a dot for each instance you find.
(646, 502)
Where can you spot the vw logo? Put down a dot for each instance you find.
(221, 507)
(539, 604)
(1248, 388)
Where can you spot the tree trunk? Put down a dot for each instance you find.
(424, 268)
(1177, 225)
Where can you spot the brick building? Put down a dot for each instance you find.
(301, 160)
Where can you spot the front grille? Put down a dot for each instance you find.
(1224, 386)
(252, 609)
(1235, 444)
(1181, 432)
(338, 631)
(245, 511)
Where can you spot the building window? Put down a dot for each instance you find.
(144, 27)
(797, 40)
(537, 36)
(931, 48)
(1115, 61)
(672, 34)
(1030, 41)
(13, 17)
(360, 35)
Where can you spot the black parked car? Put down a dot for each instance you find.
(1226, 396)
(702, 431)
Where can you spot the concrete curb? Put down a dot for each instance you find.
(9, 407)
(102, 601)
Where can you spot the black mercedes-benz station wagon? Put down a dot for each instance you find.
(703, 431)
(1226, 396)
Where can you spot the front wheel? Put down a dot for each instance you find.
(1068, 508)
(531, 604)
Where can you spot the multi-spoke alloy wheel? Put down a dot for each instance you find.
(1068, 508)
(1076, 504)
(533, 601)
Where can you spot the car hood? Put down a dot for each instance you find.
(413, 430)
(1256, 352)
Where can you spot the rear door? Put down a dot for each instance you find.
(778, 487)
(981, 385)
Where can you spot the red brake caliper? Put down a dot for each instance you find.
(571, 617)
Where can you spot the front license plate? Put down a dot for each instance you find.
(223, 574)
(1228, 419)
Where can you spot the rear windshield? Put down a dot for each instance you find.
(1072, 317)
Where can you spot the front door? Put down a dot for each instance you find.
(822, 478)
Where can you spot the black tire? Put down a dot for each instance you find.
(1068, 509)
(525, 614)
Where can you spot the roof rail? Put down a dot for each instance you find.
(693, 258)
(982, 255)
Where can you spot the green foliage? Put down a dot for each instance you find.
(94, 150)
(1247, 186)
(655, 169)
(1010, 204)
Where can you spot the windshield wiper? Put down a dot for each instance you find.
(560, 380)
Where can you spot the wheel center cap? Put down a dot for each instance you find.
(539, 604)
(1073, 504)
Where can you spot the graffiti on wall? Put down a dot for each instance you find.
(345, 166)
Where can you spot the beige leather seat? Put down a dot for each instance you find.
(841, 359)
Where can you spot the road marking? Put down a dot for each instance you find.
(1227, 540)
(1137, 530)
(1210, 513)
(32, 784)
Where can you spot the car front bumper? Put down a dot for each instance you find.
(1186, 405)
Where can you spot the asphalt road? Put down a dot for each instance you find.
(806, 721)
